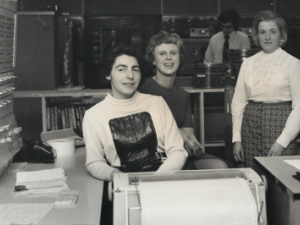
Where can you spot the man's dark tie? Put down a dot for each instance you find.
(225, 49)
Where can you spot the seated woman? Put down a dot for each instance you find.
(165, 53)
(127, 131)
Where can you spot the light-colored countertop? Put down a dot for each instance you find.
(88, 207)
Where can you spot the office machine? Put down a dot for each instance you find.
(130, 196)
(209, 75)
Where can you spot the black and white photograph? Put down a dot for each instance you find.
(149, 112)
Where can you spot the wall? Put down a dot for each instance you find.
(74, 7)
(159, 7)
(147, 15)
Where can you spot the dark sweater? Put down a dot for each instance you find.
(177, 99)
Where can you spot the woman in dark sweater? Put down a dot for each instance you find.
(165, 53)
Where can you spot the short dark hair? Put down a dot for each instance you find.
(163, 37)
(114, 53)
(216, 25)
(269, 16)
(230, 15)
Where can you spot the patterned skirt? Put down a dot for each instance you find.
(262, 124)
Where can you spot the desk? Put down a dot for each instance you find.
(283, 192)
(88, 207)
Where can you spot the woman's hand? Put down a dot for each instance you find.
(238, 152)
(276, 150)
(191, 144)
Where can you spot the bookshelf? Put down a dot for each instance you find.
(209, 119)
(61, 100)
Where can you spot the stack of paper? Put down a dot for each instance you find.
(294, 162)
(193, 202)
(67, 198)
(23, 213)
(41, 182)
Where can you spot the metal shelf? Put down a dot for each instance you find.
(198, 101)
(215, 144)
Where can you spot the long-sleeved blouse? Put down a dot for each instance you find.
(268, 78)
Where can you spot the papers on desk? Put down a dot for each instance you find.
(67, 198)
(41, 182)
(294, 162)
(23, 213)
(207, 201)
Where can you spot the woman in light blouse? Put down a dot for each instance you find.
(266, 103)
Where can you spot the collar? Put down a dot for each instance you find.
(276, 58)
(232, 34)
(122, 102)
(266, 66)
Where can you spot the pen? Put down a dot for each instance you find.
(20, 188)
(36, 146)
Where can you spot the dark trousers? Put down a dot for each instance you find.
(206, 161)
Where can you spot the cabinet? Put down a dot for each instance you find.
(47, 99)
(36, 51)
(201, 7)
(212, 117)
(52, 42)
(287, 7)
(129, 30)
(10, 139)
(246, 7)
(209, 114)
(121, 7)
(74, 7)
(98, 45)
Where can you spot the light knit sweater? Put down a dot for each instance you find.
(101, 155)
(268, 78)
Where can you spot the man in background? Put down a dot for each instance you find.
(229, 38)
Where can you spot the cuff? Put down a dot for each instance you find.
(236, 137)
(111, 176)
(283, 140)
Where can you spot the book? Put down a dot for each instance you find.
(67, 117)
(78, 122)
(52, 118)
(73, 117)
(55, 118)
(59, 119)
(80, 113)
(70, 117)
(48, 115)
(63, 119)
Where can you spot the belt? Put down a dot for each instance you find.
(151, 163)
(283, 102)
(161, 155)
